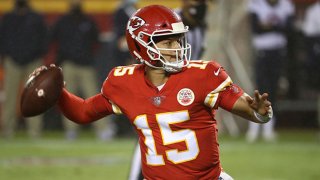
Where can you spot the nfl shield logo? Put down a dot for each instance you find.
(157, 100)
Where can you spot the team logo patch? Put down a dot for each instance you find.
(185, 97)
(135, 23)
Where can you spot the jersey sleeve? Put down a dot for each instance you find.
(83, 111)
(229, 96)
(220, 90)
(109, 89)
(118, 86)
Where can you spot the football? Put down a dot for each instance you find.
(41, 91)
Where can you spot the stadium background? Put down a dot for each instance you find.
(294, 105)
(294, 156)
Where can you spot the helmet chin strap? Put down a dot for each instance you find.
(168, 67)
(173, 67)
(172, 70)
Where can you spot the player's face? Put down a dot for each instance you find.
(172, 42)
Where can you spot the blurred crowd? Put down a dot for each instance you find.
(285, 38)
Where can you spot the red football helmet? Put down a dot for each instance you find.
(149, 23)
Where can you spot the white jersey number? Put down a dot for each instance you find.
(164, 121)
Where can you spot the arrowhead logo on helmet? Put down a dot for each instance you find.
(134, 24)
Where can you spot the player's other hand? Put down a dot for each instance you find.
(259, 103)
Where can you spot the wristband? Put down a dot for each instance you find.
(264, 118)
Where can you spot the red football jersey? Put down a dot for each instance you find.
(176, 126)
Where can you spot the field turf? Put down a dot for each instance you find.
(295, 156)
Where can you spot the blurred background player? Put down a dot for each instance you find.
(271, 21)
(114, 51)
(23, 36)
(77, 37)
(193, 14)
(311, 30)
(120, 18)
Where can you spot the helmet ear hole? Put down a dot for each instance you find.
(164, 25)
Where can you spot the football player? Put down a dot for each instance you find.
(169, 99)
(193, 14)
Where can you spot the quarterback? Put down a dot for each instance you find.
(169, 99)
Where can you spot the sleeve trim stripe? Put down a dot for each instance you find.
(116, 109)
(224, 84)
(211, 99)
(213, 95)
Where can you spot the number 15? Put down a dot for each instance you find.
(164, 121)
